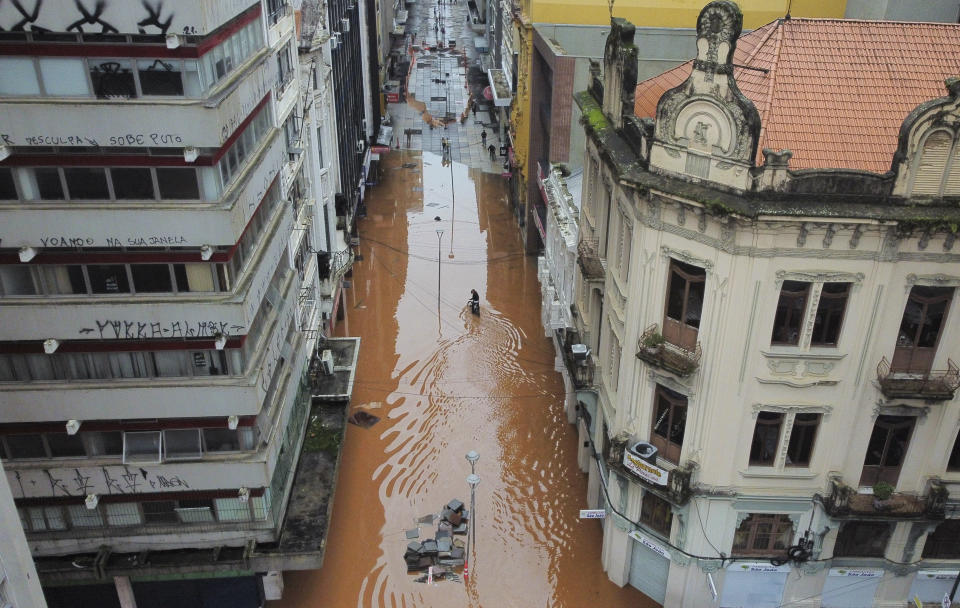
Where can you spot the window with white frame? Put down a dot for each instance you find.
(243, 147)
(613, 360)
(826, 301)
(795, 430)
(624, 242)
(104, 78)
(150, 512)
(141, 446)
(103, 183)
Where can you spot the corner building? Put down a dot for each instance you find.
(159, 293)
(767, 283)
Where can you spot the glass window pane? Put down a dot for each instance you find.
(182, 443)
(160, 512)
(789, 315)
(123, 514)
(105, 443)
(82, 517)
(8, 191)
(63, 445)
(802, 438)
(151, 278)
(49, 186)
(194, 514)
(192, 84)
(954, 463)
(766, 436)
(232, 509)
(112, 78)
(221, 440)
(179, 184)
(930, 330)
(132, 183)
(141, 446)
(159, 77)
(64, 77)
(829, 315)
(87, 183)
(55, 518)
(170, 363)
(26, 446)
(108, 278)
(16, 281)
(37, 521)
(18, 77)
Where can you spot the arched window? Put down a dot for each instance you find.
(932, 163)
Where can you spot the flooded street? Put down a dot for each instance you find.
(443, 382)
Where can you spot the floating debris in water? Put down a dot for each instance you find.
(363, 419)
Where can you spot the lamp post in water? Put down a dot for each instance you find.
(439, 240)
(472, 479)
(472, 457)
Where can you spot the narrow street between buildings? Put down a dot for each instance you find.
(443, 382)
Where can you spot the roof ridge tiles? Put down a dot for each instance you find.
(771, 86)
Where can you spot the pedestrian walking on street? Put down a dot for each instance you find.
(493, 152)
(474, 109)
(483, 137)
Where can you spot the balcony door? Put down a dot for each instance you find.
(923, 321)
(685, 288)
(669, 423)
(887, 449)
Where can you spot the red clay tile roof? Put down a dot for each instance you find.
(836, 91)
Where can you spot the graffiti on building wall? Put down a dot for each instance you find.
(121, 329)
(98, 480)
(86, 16)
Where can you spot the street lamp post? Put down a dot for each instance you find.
(472, 457)
(472, 479)
(439, 240)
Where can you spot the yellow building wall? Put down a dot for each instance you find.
(675, 13)
(642, 13)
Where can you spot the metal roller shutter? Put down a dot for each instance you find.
(648, 572)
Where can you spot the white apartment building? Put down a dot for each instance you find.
(167, 233)
(19, 584)
(768, 276)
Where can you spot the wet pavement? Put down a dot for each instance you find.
(443, 382)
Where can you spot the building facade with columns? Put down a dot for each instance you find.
(767, 276)
(169, 255)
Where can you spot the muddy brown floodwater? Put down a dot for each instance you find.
(444, 382)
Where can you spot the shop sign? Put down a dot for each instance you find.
(649, 544)
(758, 567)
(592, 513)
(936, 575)
(856, 572)
(644, 470)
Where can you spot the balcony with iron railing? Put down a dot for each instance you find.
(580, 364)
(655, 349)
(932, 385)
(677, 489)
(844, 501)
(589, 260)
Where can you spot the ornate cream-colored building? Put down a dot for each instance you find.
(768, 268)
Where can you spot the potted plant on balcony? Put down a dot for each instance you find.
(882, 491)
(652, 343)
